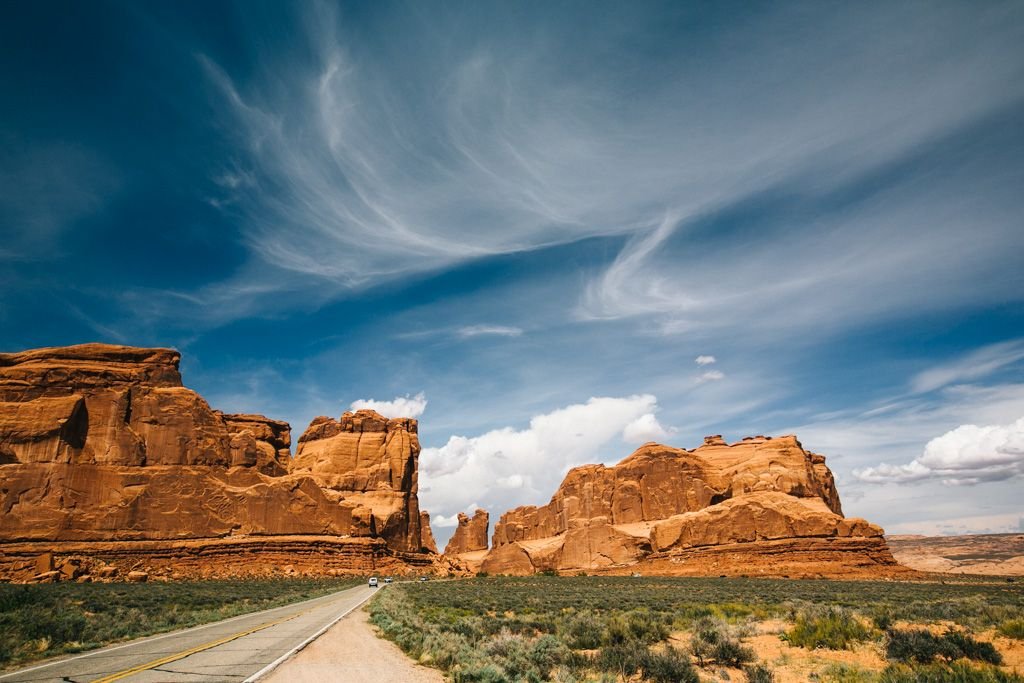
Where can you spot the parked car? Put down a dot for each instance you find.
(388, 580)
(373, 582)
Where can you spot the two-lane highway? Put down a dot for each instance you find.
(242, 648)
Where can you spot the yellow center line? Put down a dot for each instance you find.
(185, 653)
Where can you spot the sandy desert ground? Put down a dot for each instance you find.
(988, 554)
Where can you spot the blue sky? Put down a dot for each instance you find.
(552, 231)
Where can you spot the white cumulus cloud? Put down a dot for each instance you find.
(643, 429)
(966, 455)
(705, 360)
(401, 406)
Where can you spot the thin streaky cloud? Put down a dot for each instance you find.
(489, 331)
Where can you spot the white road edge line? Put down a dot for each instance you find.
(301, 646)
(105, 650)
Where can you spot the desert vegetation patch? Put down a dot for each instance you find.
(618, 629)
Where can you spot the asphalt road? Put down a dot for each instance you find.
(235, 649)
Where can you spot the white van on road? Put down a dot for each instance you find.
(373, 582)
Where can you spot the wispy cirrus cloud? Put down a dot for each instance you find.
(340, 180)
(489, 331)
(975, 365)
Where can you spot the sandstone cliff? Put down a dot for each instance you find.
(104, 453)
(373, 462)
(468, 545)
(470, 535)
(759, 506)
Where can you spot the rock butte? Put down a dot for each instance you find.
(763, 506)
(109, 464)
(468, 544)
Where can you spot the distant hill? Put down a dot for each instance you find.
(990, 554)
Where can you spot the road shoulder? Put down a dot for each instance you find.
(351, 651)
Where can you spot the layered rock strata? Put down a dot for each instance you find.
(761, 506)
(104, 453)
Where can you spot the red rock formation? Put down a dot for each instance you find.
(102, 445)
(373, 462)
(426, 535)
(258, 441)
(688, 512)
(470, 535)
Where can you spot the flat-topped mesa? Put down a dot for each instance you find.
(374, 462)
(470, 535)
(661, 503)
(102, 445)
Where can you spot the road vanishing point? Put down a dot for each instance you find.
(243, 648)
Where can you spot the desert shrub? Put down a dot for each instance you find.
(882, 619)
(1012, 628)
(526, 659)
(480, 673)
(714, 640)
(637, 626)
(965, 646)
(924, 647)
(565, 674)
(444, 649)
(908, 645)
(616, 631)
(547, 652)
(957, 672)
(758, 673)
(669, 666)
(828, 627)
(730, 652)
(624, 660)
(847, 673)
(581, 630)
(59, 628)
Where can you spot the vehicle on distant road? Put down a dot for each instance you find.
(373, 582)
(388, 580)
(424, 578)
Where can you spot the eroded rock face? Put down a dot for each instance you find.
(688, 512)
(470, 535)
(372, 462)
(102, 444)
(426, 535)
